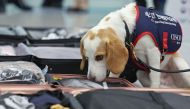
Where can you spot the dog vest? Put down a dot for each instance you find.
(164, 30)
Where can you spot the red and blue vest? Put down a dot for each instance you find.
(164, 30)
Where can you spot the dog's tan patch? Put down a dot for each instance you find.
(107, 33)
(101, 50)
(91, 35)
(107, 18)
(112, 31)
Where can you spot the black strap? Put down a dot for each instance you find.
(128, 43)
(128, 36)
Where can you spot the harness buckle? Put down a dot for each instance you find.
(163, 54)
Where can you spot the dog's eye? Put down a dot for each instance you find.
(99, 57)
(86, 58)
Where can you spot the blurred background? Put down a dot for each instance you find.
(85, 13)
(58, 13)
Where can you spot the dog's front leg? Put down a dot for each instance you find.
(177, 62)
(113, 75)
(142, 76)
(153, 57)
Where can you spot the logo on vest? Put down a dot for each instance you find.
(160, 19)
(176, 38)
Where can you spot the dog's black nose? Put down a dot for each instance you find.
(93, 78)
(107, 73)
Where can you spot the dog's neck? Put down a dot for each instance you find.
(128, 15)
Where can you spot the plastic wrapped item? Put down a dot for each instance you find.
(20, 72)
(65, 37)
(15, 102)
(47, 34)
(79, 83)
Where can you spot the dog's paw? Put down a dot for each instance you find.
(114, 75)
(167, 85)
(155, 86)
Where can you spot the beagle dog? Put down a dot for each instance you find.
(103, 46)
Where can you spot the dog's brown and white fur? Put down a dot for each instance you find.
(104, 48)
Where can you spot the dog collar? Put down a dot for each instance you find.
(128, 36)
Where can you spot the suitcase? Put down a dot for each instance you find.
(55, 65)
(55, 36)
(124, 99)
(39, 36)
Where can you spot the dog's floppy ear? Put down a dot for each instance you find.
(82, 64)
(116, 53)
(91, 35)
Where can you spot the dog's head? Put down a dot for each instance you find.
(104, 51)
